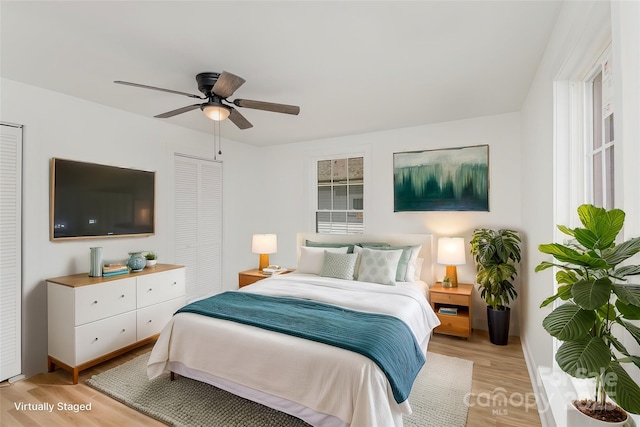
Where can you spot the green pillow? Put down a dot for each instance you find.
(330, 245)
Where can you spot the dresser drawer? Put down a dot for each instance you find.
(104, 300)
(151, 320)
(104, 336)
(155, 288)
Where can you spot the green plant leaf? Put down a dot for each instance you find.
(621, 252)
(605, 225)
(591, 294)
(565, 230)
(621, 388)
(608, 312)
(544, 265)
(565, 254)
(584, 358)
(630, 312)
(629, 294)
(569, 322)
(627, 270)
(633, 330)
(568, 277)
(586, 238)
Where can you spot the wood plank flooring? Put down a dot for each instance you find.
(499, 373)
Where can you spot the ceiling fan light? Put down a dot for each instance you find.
(215, 112)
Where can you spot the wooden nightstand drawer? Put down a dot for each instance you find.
(449, 299)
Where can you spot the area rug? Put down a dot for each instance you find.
(437, 397)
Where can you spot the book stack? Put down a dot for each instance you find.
(114, 270)
(448, 310)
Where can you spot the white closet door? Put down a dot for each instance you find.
(198, 228)
(10, 251)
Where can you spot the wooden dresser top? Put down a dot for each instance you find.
(83, 279)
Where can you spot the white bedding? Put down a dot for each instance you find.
(322, 384)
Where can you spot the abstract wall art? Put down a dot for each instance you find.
(451, 179)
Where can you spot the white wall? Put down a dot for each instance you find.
(575, 33)
(288, 172)
(57, 125)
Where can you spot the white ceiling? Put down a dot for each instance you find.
(352, 67)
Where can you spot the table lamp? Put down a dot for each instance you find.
(451, 253)
(264, 244)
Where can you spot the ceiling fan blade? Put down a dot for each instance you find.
(226, 84)
(239, 120)
(178, 111)
(190, 95)
(267, 106)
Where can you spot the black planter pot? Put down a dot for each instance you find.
(498, 325)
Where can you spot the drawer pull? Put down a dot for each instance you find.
(150, 289)
(122, 296)
(95, 302)
(150, 321)
(174, 283)
(96, 339)
(124, 330)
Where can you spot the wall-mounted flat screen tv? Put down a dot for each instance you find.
(89, 200)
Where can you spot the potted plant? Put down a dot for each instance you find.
(598, 304)
(152, 259)
(496, 253)
(446, 282)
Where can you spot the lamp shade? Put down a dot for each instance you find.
(216, 112)
(451, 251)
(264, 244)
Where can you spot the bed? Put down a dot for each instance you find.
(324, 385)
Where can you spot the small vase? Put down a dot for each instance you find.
(151, 262)
(137, 261)
(95, 266)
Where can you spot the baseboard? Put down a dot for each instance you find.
(544, 409)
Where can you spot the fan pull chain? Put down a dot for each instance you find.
(217, 142)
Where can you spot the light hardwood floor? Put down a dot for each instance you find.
(498, 371)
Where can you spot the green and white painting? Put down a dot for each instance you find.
(452, 179)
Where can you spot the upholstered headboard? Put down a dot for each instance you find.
(426, 240)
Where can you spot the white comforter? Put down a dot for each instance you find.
(328, 380)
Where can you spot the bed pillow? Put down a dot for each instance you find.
(379, 266)
(311, 259)
(406, 265)
(339, 266)
(329, 245)
(419, 262)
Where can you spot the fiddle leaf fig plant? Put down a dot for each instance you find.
(599, 303)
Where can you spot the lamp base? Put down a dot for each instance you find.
(264, 261)
(452, 274)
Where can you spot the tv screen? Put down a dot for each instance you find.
(91, 200)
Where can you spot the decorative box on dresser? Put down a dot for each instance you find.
(92, 319)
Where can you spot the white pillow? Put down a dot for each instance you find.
(311, 258)
(411, 264)
(418, 268)
(378, 266)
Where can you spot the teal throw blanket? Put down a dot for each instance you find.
(384, 339)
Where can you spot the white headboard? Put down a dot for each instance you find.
(426, 240)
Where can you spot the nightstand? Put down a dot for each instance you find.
(459, 299)
(251, 276)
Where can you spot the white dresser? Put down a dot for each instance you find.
(92, 319)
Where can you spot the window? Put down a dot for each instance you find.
(340, 196)
(600, 143)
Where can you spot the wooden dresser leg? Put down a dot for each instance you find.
(74, 374)
(172, 376)
(50, 365)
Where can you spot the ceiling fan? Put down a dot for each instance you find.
(217, 87)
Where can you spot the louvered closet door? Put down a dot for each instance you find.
(198, 228)
(10, 250)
